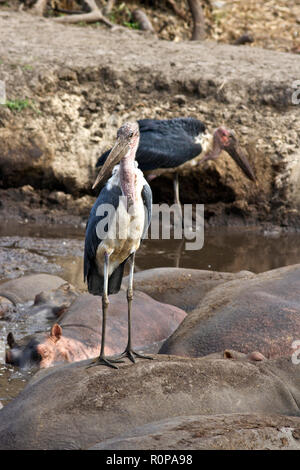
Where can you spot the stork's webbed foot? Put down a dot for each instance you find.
(105, 361)
(131, 354)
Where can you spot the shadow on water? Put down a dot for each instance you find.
(59, 250)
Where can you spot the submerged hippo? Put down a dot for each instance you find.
(27, 287)
(76, 336)
(51, 296)
(182, 287)
(55, 302)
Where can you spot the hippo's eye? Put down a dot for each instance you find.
(42, 351)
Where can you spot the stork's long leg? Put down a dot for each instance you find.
(178, 253)
(176, 189)
(130, 297)
(176, 197)
(105, 302)
(129, 352)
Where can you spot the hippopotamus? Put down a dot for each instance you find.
(181, 287)
(55, 302)
(51, 295)
(261, 313)
(245, 431)
(77, 333)
(95, 404)
(27, 287)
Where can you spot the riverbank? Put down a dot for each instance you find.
(77, 85)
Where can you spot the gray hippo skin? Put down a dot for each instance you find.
(182, 287)
(75, 407)
(217, 432)
(48, 301)
(27, 287)
(261, 313)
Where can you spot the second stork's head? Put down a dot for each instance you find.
(126, 146)
(224, 139)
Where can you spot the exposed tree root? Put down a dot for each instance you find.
(92, 17)
(198, 19)
(176, 9)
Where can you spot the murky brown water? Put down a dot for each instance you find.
(30, 248)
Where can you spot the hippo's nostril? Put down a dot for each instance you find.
(36, 356)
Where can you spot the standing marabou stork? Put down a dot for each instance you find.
(123, 210)
(180, 143)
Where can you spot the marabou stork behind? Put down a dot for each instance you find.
(182, 142)
(123, 210)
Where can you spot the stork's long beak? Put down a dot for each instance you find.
(118, 151)
(239, 156)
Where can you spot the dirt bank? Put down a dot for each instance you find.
(82, 83)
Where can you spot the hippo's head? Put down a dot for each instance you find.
(38, 351)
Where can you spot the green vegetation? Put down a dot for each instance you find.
(27, 67)
(117, 16)
(131, 25)
(18, 105)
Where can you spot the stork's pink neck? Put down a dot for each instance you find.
(127, 173)
(213, 152)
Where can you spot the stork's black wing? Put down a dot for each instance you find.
(166, 143)
(109, 195)
(147, 200)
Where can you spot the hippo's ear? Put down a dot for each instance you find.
(56, 332)
(228, 354)
(11, 340)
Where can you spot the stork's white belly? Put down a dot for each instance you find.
(125, 230)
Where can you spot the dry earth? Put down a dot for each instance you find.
(82, 83)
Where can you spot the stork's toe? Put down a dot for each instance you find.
(105, 361)
(131, 354)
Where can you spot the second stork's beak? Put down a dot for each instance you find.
(118, 151)
(237, 153)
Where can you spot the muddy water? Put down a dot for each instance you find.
(26, 248)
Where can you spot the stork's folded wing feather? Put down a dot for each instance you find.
(147, 200)
(109, 195)
(167, 143)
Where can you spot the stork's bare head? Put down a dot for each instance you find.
(221, 137)
(127, 143)
(129, 132)
(225, 139)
